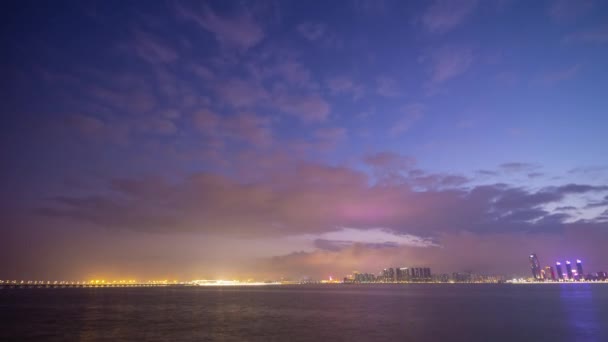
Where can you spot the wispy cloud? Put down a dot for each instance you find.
(450, 62)
(346, 237)
(565, 10)
(344, 85)
(240, 31)
(518, 167)
(595, 36)
(445, 15)
(152, 50)
(309, 108)
(388, 87)
(312, 31)
(318, 32)
(557, 76)
(411, 113)
(244, 127)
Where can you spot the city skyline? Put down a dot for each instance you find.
(248, 139)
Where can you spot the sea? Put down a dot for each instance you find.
(337, 312)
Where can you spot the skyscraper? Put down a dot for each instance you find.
(569, 269)
(535, 266)
(549, 274)
(579, 269)
(558, 268)
(427, 273)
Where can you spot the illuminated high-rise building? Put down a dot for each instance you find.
(558, 268)
(579, 269)
(549, 274)
(427, 273)
(535, 266)
(403, 274)
(569, 269)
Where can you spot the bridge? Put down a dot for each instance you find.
(38, 284)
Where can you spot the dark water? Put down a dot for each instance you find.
(309, 313)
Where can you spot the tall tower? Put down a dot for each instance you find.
(549, 274)
(569, 269)
(579, 269)
(558, 268)
(535, 266)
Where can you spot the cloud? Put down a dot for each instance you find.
(593, 36)
(344, 85)
(567, 10)
(374, 237)
(158, 126)
(437, 181)
(331, 135)
(387, 87)
(535, 175)
(307, 107)
(203, 72)
(411, 113)
(598, 204)
(240, 93)
(291, 71)
(152, 50)
(308, 198)
(87, 125)
(490, 173)
(319, 33)
(243, 127)
(239, 31)
(553, 77)
(450, 62)
(518, 167)
(367, 7)
(389, 161)
(445, 15)
(312, 31)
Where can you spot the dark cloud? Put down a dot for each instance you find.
(565, 208)
(312, 198)
(535, 174)
(598, 204)
(389, 160)
(518, 167)
(488, 173)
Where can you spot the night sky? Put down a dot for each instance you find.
(268, 139)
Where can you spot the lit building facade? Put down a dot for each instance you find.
(560, 273)
(535, 267)
(569, 270)
(579, 268)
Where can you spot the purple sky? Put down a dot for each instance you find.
(275, 139)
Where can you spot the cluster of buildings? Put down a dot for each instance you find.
(392, 275)
(418, 275)
(560, 273)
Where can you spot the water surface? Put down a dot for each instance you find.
(422, 312)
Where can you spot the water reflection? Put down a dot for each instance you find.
(581, 311)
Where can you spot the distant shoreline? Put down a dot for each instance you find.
(52, 286)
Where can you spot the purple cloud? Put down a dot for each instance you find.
(445, 15)
(239, 31)
(450, 62)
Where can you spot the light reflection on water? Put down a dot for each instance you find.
(432, 312)
(581, 310)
